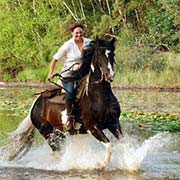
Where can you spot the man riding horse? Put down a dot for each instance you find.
(71, 51)
(98, 108)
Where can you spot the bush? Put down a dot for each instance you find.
(33, 74)
(134, 59)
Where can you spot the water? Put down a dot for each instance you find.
(155, 156)
(150, 101)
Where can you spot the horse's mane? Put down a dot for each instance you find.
(87, 54)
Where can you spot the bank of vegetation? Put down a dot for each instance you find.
(147, 32)
(153, 121)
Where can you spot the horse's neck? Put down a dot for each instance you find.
(92, 83)
(102, 88)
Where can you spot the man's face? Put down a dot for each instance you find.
(77, 33)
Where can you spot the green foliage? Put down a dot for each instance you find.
(154, 121)
(33, 74)
(163, 68)
(177, 48)
(134, 59)
(161, 28)
(30, 31)
(103, 27)
(6, 77)
(162, 24)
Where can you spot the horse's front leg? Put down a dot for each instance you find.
(115, 128)
(99, 135)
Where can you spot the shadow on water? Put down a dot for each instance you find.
(23, 173)
(140, 155)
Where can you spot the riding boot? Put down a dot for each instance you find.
(70, 119)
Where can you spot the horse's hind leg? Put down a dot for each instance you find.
(53, 136)
(56, 139)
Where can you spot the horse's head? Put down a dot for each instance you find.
(101, 53)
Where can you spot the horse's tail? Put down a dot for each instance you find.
(20, 140)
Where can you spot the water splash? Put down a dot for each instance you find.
(83, 152)
(130, 154)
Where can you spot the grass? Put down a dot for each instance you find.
(142, 67)
(33, 75)
(147, 77)
(39, 74)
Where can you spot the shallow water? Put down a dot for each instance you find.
(139, 156)
(157, 157)
(149, 101)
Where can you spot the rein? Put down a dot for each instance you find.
(97, 81)
(68, 69)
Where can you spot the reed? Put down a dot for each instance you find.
(147, 77)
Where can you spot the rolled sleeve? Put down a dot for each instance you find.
(61, 52)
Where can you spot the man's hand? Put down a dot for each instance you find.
(50, 76)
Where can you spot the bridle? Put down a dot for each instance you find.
(101, 60)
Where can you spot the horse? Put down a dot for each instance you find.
(95, 106)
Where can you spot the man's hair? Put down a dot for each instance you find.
(75, 25)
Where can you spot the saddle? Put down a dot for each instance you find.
(54, 95)
(57, 96)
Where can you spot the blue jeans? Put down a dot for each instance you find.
(69, 89)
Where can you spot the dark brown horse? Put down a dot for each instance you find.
(95, 106)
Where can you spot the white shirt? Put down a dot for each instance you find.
(71, 54)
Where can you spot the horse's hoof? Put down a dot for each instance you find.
(68, 126)
(100, 165)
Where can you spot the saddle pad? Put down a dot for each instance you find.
(59, 99)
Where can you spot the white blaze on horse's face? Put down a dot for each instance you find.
(107, 52)
(110, 68)
(111, 71)
(92, 67)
